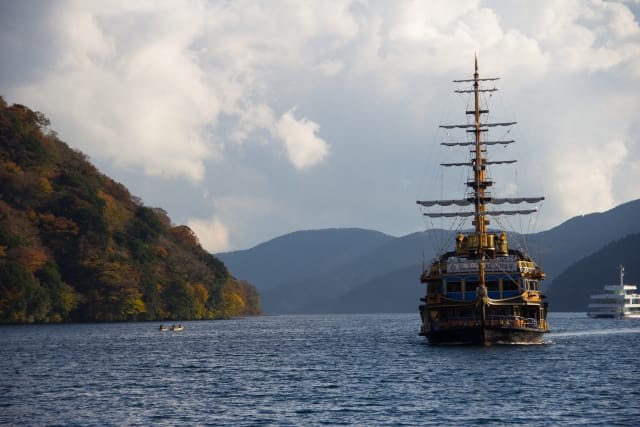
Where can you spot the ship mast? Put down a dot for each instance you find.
(479, 196)
(478, 185)
(478, 163)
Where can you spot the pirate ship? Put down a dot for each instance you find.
(483, 291)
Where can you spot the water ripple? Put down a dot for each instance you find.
(314, 370)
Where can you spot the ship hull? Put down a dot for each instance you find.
(485, 336)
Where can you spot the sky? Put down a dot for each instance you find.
(247, 120)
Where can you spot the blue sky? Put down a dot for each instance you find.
(249, 119)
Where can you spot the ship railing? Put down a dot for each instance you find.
(463, 322)
(513, 321)
(493, 320)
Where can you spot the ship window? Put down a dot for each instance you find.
(531, 285)
(471, 286)
(454, 287)
(498, 312)
(492, 286)
(510, 285)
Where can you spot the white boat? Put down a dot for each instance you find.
(620, 301)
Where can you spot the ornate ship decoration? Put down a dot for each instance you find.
(483, 292)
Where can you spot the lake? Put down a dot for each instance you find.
(316, 370)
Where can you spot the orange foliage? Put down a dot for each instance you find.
(185, 236)
(160, 251)
(32, 257)
(58, 224)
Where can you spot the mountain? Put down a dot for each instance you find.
(400, 288)
(296, 256)
(321, 291)
(380, 274)
(561, 246)
(570, 291)
(77, 246)
(293, 282)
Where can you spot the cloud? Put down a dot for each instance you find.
(212, 233)
(204, 92)
(145, 85)
(594, 190)
(119, 94)
(303, 147)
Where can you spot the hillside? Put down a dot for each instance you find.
(76, 246)
(570, 291)
(296, 256)
(561, 246)
(401, 289)
(294, 289)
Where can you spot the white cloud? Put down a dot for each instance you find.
(585, 179)
(330, 68)
(303, 147)
(141, 103)
(197, 90)
(212, 233)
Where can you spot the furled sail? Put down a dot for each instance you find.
(469, 214)
(468, 143)
(472, 125)
(472, 91)
(486, 79)
(429, 203)
(494, 162)
(515, 200)
(492, 200)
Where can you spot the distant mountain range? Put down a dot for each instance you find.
(364, 271)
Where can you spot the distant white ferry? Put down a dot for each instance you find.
(620, 301)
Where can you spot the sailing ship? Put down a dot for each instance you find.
(620, 301)
(483, 291)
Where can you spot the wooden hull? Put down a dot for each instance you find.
(480, 325)
(478, 335)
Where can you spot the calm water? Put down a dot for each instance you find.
(302, 370)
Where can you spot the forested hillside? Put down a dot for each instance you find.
(76, 246)
(571, 290)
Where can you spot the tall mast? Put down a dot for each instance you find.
(478, 166)
(478, 163)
